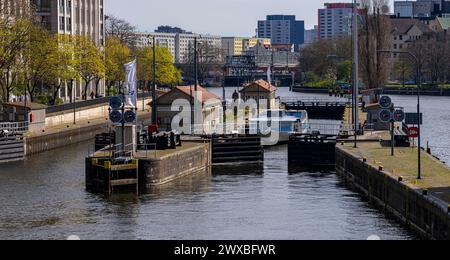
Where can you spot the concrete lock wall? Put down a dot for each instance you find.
(176, 165)
(424, 214)
(46, 142)
(85, 114)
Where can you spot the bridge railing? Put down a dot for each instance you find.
(314, 100)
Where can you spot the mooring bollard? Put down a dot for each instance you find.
(400, 179)
(425, 192)
(364, 159)
(380, 168)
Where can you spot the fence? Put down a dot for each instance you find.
(86, 103)
(13, 128)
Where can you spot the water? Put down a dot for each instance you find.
(44, 199)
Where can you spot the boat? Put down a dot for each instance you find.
(276, 125)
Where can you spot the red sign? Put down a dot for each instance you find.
(413, 132)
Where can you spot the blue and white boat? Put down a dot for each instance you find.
(276, 125)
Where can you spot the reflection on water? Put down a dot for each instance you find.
(44, 198)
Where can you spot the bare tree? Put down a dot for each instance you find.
(121, 29)
(323, 57)
(374, 36)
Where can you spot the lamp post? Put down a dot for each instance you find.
(154, 106)
(355, 72)
(419, 85)
(74, 97)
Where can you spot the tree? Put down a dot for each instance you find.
(374, 35)
(209, 62)
(166, 72)
(13, 41)
(60, 63)
(116, 55)
(89, 61)
(325, 57)
(404, 69)
(122, 30)
(41, 45)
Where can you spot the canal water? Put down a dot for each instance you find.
(44, 198)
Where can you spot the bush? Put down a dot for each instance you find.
(42, 100)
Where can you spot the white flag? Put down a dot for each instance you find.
(130, 84)
(269, 75)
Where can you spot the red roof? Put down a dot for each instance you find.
(263, 84)
(206, 95)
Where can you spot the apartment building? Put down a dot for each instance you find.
(335, 20)
(180, 45)
(282, 29)
(421, 8)
(74, 17)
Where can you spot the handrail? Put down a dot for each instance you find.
(13, 128)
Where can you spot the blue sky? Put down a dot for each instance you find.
(218, 17)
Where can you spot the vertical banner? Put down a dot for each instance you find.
(130, 84)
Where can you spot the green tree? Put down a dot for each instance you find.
(60, 63)
(41, 45)
(116, 55)
(166, 72)
(345, 70)
(13, 41)
(89, 62)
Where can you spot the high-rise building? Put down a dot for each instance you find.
(421, 8)
(282, 30)
(74, 17)
(311, 35)
(335, 20)
(180, 45)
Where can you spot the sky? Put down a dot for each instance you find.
(215, 17)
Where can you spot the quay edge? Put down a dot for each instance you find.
(427, 216)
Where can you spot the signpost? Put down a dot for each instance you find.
(389, 114)
(413, 132)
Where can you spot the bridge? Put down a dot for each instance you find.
(323, 108)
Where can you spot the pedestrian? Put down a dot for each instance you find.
(92, 95)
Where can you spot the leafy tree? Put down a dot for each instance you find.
(89, 61)
(116, 55)
(60, 63)
(166, 72)
(41, 45)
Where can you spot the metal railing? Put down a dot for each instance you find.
(315, 100)
(13, 128)
(117, 151)
(86, 103)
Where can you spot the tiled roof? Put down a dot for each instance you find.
(402, 26)
(206, 95)
(263, 84)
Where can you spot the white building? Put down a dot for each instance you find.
(180, 45)
(166, 40)
(74, 17)
(335, 20)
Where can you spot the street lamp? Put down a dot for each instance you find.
(74, 100)
(419, 83)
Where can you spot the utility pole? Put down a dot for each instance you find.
(195, 64)
(355, 72)
(154, 106)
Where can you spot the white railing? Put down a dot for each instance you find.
(315, 100)
(13, 128)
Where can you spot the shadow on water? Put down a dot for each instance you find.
(253, 169)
